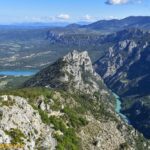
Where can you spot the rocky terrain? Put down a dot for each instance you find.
(73, 69)
(46, 119)
(21, 124)
(126, 70)
(66, 106)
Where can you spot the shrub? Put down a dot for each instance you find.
(75, 119)
(58, 124)
(68, 141)
(44, 117)
(16, 135)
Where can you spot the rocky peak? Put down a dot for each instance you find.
(78, 59)
(76, 64)
(72, 71)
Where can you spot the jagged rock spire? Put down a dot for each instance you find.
(72, 71)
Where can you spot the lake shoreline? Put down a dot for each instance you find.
(18, 72)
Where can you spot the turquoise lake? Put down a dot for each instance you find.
(18, 72)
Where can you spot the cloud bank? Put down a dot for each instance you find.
(87, 17)
(120, 2)
(63, 17)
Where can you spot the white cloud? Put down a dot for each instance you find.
(116, 2)
(111, 17)
(87, 17)
(63, 17)
(119, 2)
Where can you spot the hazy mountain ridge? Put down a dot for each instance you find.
(22, 47)
(141, 22)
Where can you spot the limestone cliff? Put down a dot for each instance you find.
(73, 70)
(126, 70)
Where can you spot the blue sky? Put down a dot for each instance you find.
(12, 11)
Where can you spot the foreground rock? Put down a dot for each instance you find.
(20, 123)
(98, 130)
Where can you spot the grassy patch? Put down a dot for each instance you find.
(75, 119)
(67, 141)
(9, 102)
(30, 93)
(16, 135)
(96, 106)
(13, 82)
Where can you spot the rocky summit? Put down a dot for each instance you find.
(65, 106)
(73, 70)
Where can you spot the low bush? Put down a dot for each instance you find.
(16, 135)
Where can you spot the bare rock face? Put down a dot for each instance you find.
(75, 64)
(4, 138)
(116, 58)
(18, 118)
(79, 70)
(126, 70)
(73, 70)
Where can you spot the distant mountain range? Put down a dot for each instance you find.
(105, 26)
(92, 37)
(141, 22)
(41, 24)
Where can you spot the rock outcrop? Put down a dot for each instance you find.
(73, 70)
(20, 123)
